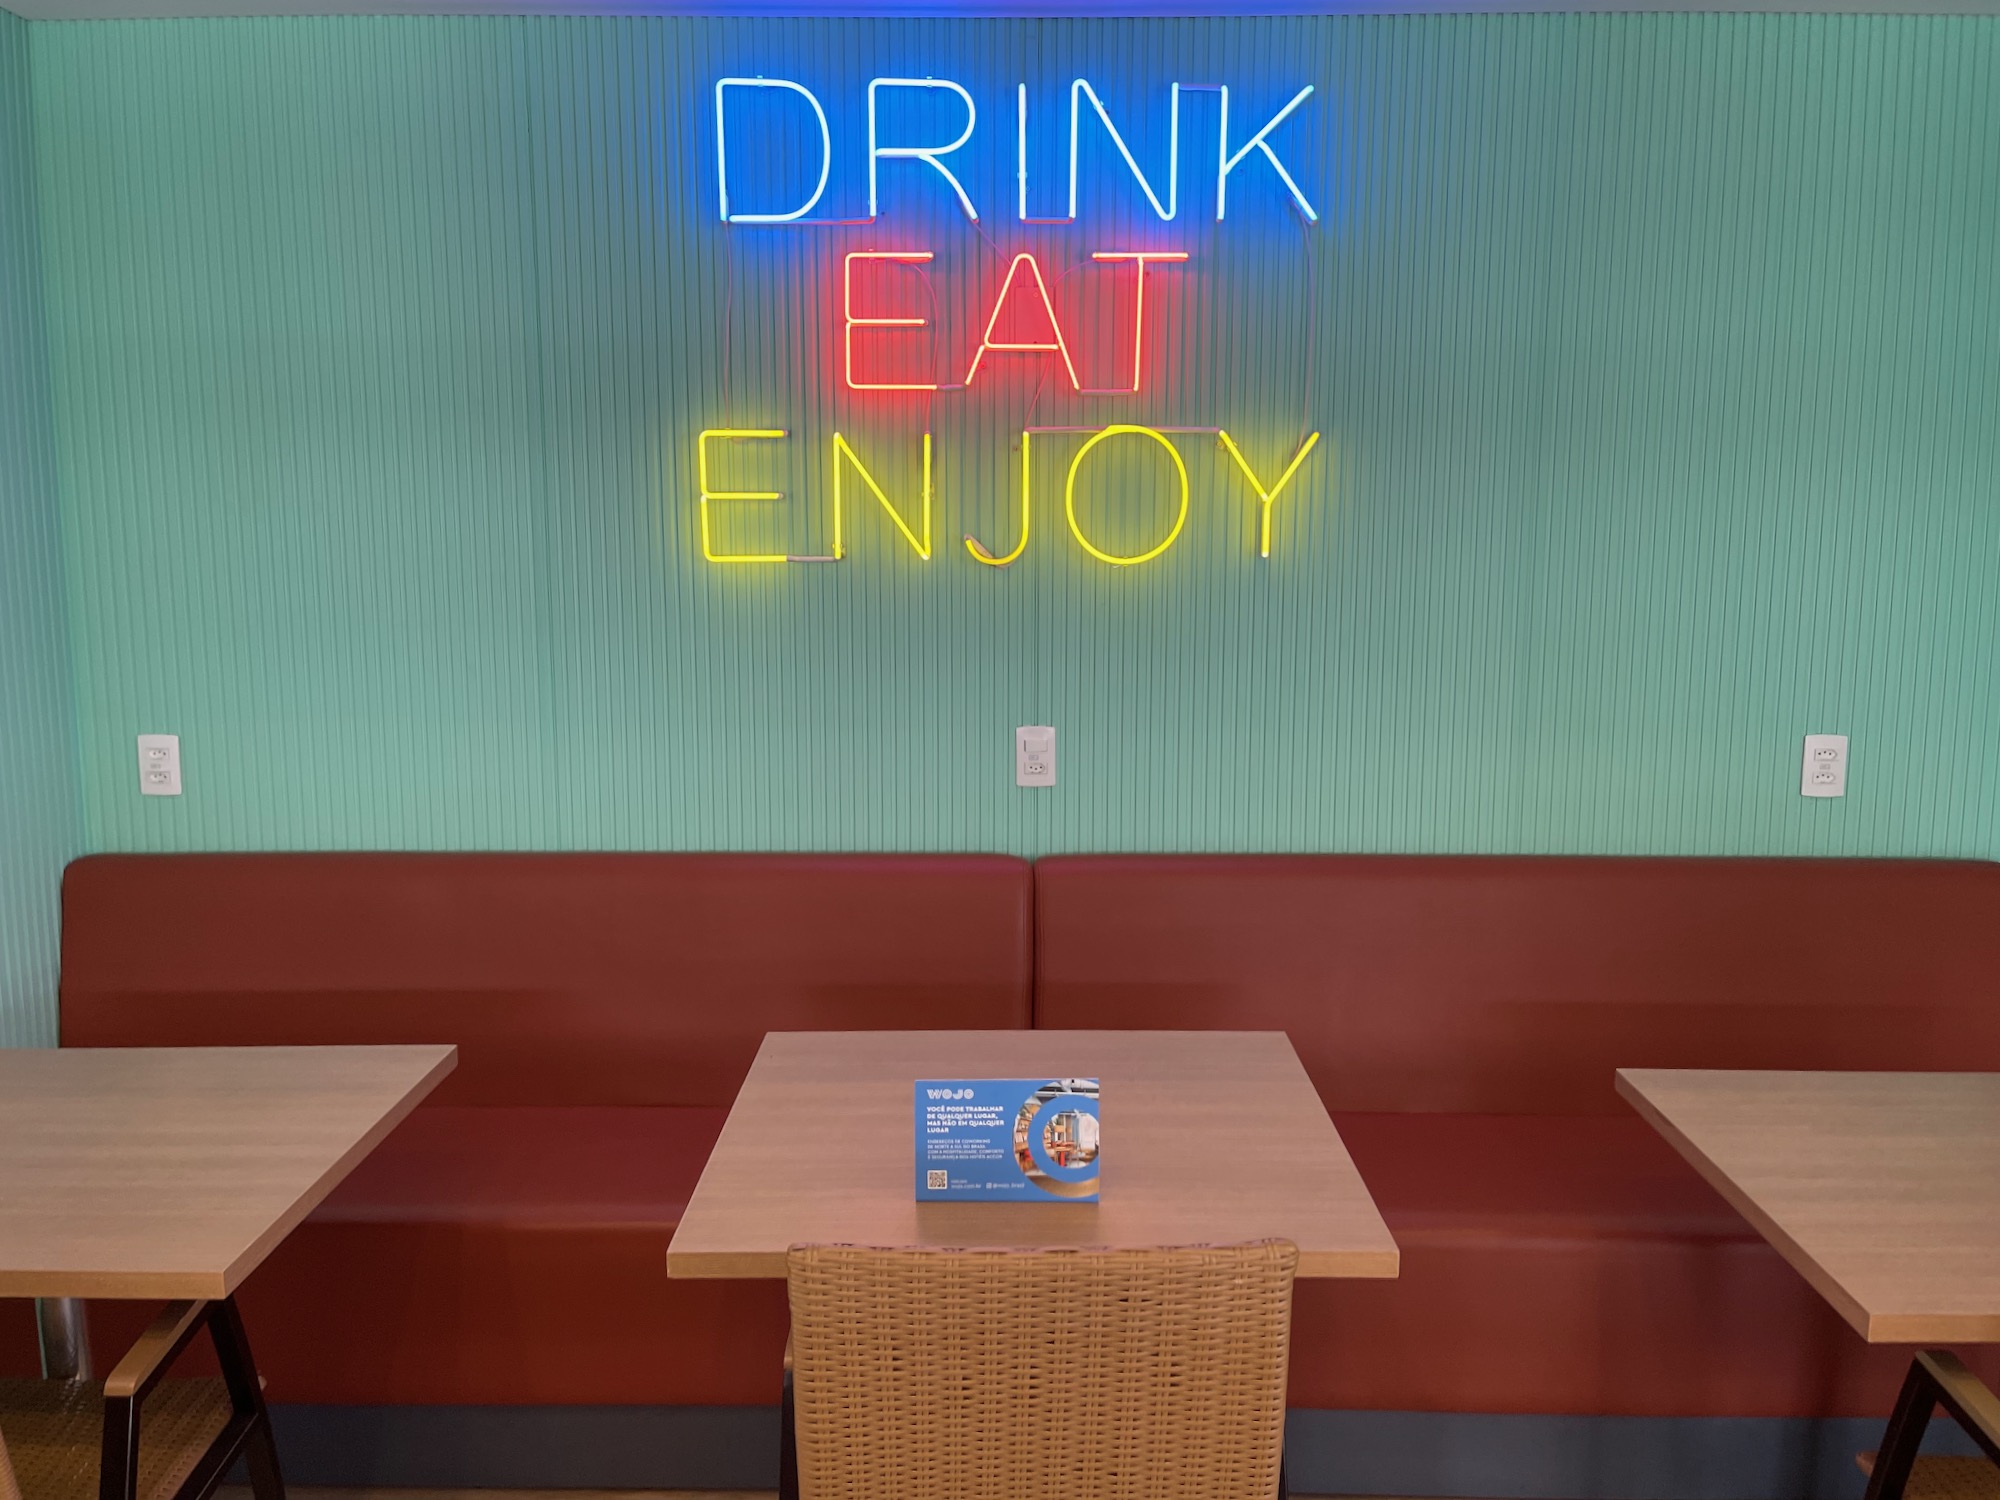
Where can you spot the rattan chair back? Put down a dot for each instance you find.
(1154, 1374)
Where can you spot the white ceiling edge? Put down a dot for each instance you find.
(162, 10)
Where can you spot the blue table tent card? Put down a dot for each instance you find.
(1006, 1139)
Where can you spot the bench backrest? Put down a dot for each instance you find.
(1518, 985)
(564, 978)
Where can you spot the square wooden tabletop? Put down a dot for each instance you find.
(1209, 1137)
(1881, 1189)
(172, 1171)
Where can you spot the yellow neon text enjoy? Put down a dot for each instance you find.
(917, 529)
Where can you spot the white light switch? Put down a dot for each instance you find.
(1035, 755)
(1824, 773)
(160, 765)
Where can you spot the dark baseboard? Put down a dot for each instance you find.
(1583, 1458)
(530, 1447)
(1328, 1452)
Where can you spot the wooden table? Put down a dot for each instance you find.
(172, 1172)
(1882, 1190)
(1209, 1137)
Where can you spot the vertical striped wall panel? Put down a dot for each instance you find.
(1656, 359)
(39, 816)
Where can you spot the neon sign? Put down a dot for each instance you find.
(708, 494)
(722, 150)
(1141, 259)
(928, 155)
(877, 313)
(1117, 429)
(1055, 344)
(920, 544)
(852, 321)
(1227, 161)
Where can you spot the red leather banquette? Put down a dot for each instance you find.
(507, 1244)
(1463, 1018)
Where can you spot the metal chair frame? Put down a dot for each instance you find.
(247, 1434)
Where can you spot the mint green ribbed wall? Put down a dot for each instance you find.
(1657, 358)
(40, 825)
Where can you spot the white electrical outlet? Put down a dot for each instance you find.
(1824, 772)
(160, 765)
(1035, 755)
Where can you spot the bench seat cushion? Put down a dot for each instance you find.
(508, 1242)
(1465, 1018)
(532, 1166)
(1553, 1264)
(1550, 1264)
(495, 1256)
(490, 1256)
(1571, 1265)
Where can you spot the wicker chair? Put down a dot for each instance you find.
(998, 1374)
(138, 1435)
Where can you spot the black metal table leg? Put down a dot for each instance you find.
(1936, 1379)
(1903, 1437)
(118, 1467)
(246, 1396)
(788, 1439)
(247, 1433)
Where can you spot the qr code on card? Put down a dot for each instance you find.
(936, 1180)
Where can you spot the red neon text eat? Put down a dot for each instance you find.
(1023, 299)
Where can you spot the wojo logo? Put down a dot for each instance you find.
(949, 1093)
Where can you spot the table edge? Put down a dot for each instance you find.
(1816, 1276)
(116, 1286)
(1934, 1328)
(255, 1253)
(769, 1265)
(211, 1284)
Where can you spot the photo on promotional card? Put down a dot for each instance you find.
(1007, 1139)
